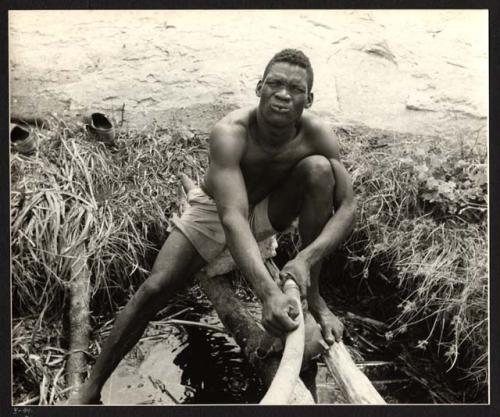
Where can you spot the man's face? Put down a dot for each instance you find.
(284, 94)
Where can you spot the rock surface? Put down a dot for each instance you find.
(402, 70)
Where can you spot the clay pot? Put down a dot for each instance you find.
(99, 126)
(23, 141)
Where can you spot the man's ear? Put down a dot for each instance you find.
(258, 88)
(309, 101)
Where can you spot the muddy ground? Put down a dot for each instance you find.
(416, 71)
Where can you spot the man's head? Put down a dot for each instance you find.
(292, 57)
(285, 88)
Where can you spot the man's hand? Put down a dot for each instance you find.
(300, 271)
(280, 314)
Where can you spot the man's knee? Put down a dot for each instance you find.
(316, 173)
(156, 286)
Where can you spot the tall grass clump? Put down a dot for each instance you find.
(78, 198)
(113, 205)
(422, 227)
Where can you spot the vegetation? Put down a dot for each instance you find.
(422, 225)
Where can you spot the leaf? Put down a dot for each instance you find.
(446, 188)
(432, 183)
(422, 168)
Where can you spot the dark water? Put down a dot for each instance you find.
(184, 364)
(215, 372)
(199, 366)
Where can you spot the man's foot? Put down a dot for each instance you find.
(84, 395)
(331, 327)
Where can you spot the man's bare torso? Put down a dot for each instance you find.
(265, 167)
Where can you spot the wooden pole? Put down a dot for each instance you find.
(79, 318)
(356, 386)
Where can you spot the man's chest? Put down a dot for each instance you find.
(260, 165)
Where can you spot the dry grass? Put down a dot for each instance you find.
(113, 202)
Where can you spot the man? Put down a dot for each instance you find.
(268, 166)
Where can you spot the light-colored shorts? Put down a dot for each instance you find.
(200, 223)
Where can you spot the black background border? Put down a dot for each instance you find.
(248, 410)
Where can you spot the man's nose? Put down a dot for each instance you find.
(283, 94)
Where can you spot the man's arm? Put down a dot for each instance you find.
(225, 180)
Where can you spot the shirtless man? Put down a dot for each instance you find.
(268, 165)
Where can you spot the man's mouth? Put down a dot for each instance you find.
(280, 109)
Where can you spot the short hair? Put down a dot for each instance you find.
(293, 57)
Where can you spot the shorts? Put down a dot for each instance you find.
(201, 225)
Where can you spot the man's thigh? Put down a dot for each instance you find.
(178, 260)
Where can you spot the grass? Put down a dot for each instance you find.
(426, 237)
(116, 202)
(422, 228)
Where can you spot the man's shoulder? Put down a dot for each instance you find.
(235, 122)
(229, 135)
(314, 124)
(320, 135)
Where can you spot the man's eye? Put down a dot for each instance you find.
(297, 89)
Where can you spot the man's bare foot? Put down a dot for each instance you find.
(331, 327)
(84, 395)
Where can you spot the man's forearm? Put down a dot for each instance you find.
(331, 237)
(246, 253)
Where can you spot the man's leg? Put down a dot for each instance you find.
(174, 267)
(308, 194)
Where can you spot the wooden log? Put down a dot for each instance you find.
(224, 263)
(79, 319)
(356, 386)
(247, 333)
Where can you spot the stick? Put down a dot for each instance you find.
(161, 386)
(39, 122)
(122, 114)
(28, 402)
(367, 320)
(192, 324)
